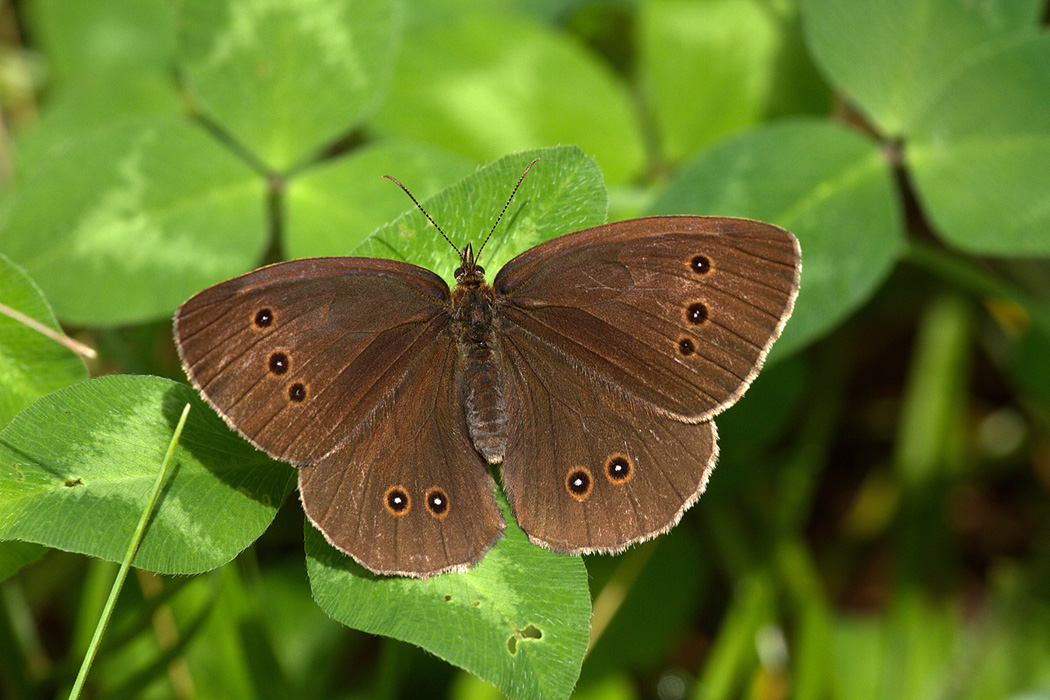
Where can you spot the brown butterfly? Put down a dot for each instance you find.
(590, 370)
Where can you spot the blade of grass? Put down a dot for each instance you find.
(811, 663)
(135, 686)
(811, 445)
(612, 595)
(74, 345)
(32, 663)
(930, 440)
(107, 612)
(733, 655)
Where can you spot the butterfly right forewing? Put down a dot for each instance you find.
(676, 311)
(619, 345)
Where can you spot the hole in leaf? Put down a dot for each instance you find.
(528, 632)
(531, 632)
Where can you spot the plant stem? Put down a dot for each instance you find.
(71, 343)
(111, 602)
(966, 274)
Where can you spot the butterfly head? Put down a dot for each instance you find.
(469, 273)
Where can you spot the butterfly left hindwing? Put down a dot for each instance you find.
(345, 367)
(408, 494)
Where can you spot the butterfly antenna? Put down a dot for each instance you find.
(527, 168)
(420, 206)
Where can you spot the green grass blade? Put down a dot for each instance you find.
(107, 612)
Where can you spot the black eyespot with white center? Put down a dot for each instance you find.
(578, 483)
(437, 502)
(696, 313)
(279, 363)
(686, 346)
(297, 392)
(396, 501)
(619, 469)
(264, 318)
(700, 264)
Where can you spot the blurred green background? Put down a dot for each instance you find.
(879, 522)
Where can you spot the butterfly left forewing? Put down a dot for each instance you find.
(295, 355)
(346, 367)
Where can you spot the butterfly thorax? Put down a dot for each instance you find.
(474, 319)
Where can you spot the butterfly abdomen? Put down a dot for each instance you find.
(480, 362)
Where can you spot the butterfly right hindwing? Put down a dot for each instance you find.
(620, 344)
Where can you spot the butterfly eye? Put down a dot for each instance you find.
(480, 269)
(458, 273)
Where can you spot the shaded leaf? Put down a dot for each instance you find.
(287, 77)
(332, 207)
(134, 218)
(709, 69)
(519, 619)
(891, 56)
(979, 155)
(489, 85)
(829, 186)
(77, 466)
(80, 38)
(31, 364)
(14, 555)
(75, 109)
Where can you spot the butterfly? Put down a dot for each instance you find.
(590, 370)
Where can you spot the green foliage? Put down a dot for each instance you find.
(893, 56)
(827, 185)
(484, 85)
(166, 208)
(565, 193)
(285, 79)
(879, 522)
(518, 619)
(713, 68)
(81, 462)
(31, 364)
(334, 205)
(80, 39)
(978, 151)
(967, 88)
